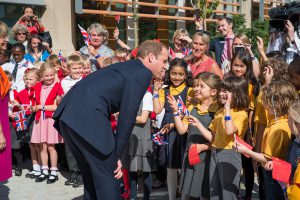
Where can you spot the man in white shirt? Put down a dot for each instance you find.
(17, 66)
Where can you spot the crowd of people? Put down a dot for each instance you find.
(215, 97)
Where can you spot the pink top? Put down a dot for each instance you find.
(205, 66)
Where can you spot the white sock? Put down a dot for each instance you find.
(36, 167)
(45, 170)
(53, 172)
(172, 183)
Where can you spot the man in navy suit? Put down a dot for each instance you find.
(83, 117)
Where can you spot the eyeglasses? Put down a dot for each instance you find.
(21, 34)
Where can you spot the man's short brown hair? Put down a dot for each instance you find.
(150, 46)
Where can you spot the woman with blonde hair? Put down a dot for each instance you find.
(3, 36)
(20, 34)
(181, 41)
(97, 49)
(199, 61)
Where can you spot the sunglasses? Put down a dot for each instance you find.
(21, 34)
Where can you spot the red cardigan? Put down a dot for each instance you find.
(26, 96)
(56, 91)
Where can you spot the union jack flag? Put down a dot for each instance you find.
(182, 108)
(117, 18)
(20, 119)
(158, 138)
(85, 35)
(60, 57)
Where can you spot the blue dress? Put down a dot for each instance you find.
(43, 57)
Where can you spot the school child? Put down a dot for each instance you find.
(242, 66)
(25, 99)
(75, 66)
(194, 183)
(277, 97)
(87, 66)
(275, 68)
(293, 157)
(225, 163)
(179, 81)
(47, 94)
(16, 143)
(142, 159)
(55, 62)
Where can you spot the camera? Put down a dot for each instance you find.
(197, 13)
(279, 15)
(238, 49)
(30, 18)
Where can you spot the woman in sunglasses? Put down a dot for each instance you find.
(20, 34)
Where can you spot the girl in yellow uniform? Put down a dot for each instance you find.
(276, 98)
(194, 181)
(225, 164)
(179, 81)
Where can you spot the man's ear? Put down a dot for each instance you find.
(151, 57)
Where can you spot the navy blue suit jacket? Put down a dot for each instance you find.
(217, 46)
(87, 106)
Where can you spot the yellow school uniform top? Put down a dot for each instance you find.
(293, 191)
(276, 138)
(261, 115)
(175, 91)
(251, 96)
(217, 126)
(213, 108)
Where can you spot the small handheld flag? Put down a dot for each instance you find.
(85, 35)
(182, 108)
(158, 138)
(193, 155)
(239, 140)
(117, 18)
(281, 170)
(20, 119)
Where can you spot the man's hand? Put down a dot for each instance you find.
(118, 171)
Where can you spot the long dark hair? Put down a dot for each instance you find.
(239, 89)
(246, 60)
(178, 62)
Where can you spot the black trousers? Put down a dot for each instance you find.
(97, 169)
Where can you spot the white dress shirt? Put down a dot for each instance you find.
(19, 83)
(67, 83)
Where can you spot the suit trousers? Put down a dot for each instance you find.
(96, 168)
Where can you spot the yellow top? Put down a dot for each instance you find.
(293, 190)
(214, 107)
(251, 96)
(176, 91)
(261, 115)
(276, 138)
(217, 126)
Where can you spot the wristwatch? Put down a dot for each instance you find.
(98, 56)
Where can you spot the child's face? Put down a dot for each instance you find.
(30, 79)
(64, 68)
(223, 96)
(177, 75)
(201, 90)
(295, 78)
(75, 71)
(18, 54)
(57, 67)
(48, 76)
(86, 69)
(238, 68)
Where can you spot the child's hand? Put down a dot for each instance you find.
(238, 147)
(173, 103)
(157, 85)
(12, 115)
(269, 165)
(193, 121)
(268, 73)
(166, 129)
(228, 100)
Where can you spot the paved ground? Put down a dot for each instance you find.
(21, 188)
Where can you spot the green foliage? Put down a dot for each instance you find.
(206, 8)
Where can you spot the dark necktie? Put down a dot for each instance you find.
(14, 72)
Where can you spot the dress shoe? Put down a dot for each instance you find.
(52, 179)
(18, 172)
(41, 178)
(78, 182)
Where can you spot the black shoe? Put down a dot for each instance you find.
(70, 181)
(41, 178)
(18, 172)
(31, 174)
(52, 179)
(78, 182)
